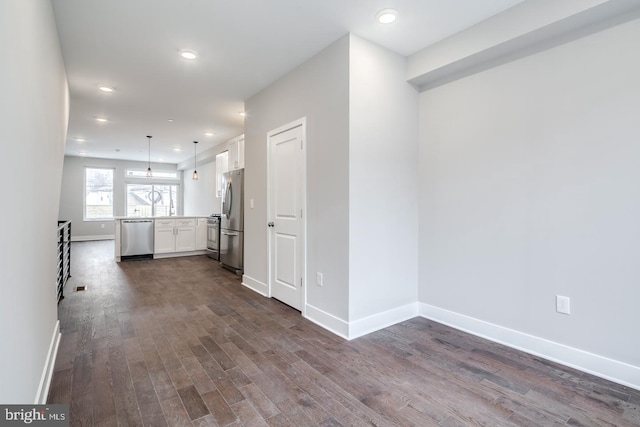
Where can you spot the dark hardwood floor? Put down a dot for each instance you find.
(180, 342)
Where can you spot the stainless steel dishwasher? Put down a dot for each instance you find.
(136, 239)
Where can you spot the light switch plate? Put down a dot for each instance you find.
(563, 304)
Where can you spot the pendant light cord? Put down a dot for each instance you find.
(149, 173)
(195, 161)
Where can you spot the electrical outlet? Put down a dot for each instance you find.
(101, 225)
(319, 279)
(563, 304)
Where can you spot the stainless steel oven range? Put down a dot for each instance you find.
(213, 236)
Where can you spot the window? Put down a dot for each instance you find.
(157, 174)
(98, 193)
(152, 200)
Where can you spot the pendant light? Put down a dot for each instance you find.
(195, 161)
(149, 173)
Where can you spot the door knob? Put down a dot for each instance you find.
(270, 224)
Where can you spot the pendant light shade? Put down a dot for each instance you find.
(149, 173)
(195, 161)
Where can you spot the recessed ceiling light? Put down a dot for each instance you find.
(177, 149)
(188, 54)
(101, 119)
(105, 89)
(82, 153)
(209, 134)
(80, 140)
(243, 114)
(386, 16)
(170, 120)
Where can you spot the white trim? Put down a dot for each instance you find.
(143, 175)
(302, 123)
(49, 365)
(255, 285)
(303, 226)
(613, 370)
(89, 238)
(328, 321)
(378, 321)
(179, 254)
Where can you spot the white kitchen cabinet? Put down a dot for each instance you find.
(229, 160)
(236, 153)
(222, 166)
(185, 235)
(174, 235)
(201, 234)
(164, 237)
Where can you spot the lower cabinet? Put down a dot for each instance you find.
(185, 235)
(174, 235)
(164, 236)
(201, 234)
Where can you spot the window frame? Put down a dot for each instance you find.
(141, 174)
(84, 194)
(167, 182)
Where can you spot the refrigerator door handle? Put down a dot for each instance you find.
(226, 233)
(228, 198)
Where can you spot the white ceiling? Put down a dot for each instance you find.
(243, 46)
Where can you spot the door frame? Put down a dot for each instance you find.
(302, 123)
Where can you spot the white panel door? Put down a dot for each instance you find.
(286, 178)
(185, 238)
(164, 240)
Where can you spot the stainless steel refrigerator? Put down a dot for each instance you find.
(232, 221)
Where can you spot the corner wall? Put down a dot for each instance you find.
(200, 196)
(34, 108)
(319, 91)
(529, 189)
(383, 189)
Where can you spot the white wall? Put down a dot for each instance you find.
(34, 110)
(317, 90)
(72, 196)
(362, 161)
(383, 182)
(530, 189)
(200, 196)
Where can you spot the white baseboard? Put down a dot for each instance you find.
(179, 254)
(90, 238)
(47, 371)
(378, 321)
(255, 285)
(360, 327)
(328, 321)
(613, 370)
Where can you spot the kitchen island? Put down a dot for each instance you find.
(167, 237)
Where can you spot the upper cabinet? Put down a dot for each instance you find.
(236, 153)
(229, 160)
(222, 162)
